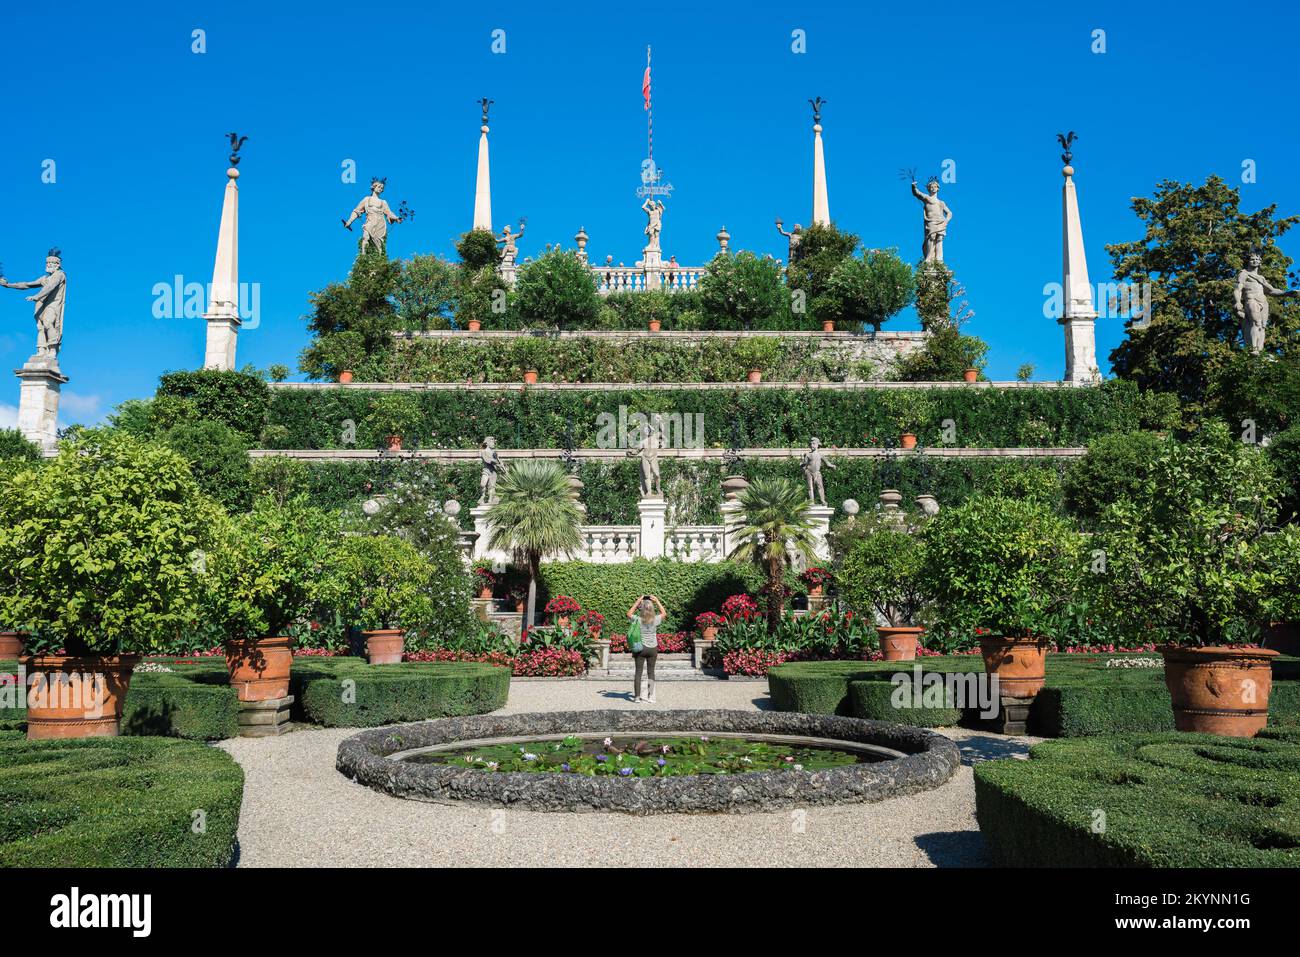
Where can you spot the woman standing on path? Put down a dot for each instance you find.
(643, 641)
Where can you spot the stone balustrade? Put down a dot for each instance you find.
(696, 543)
(608, 544)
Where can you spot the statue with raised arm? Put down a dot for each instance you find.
(377, 216)
(1250, 297)
(648, 452)
(795, 236)
(812, 461)
(509, 250)
(937, 217)
(654, 209)
(49, 301)
(492, 467)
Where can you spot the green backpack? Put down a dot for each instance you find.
(634, 643)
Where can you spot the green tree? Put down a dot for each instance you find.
(426, 292)
(379, 581)
(557, 291)
(536, 514)
(775, 521)
(881, 574)
(353, 321)
(98, 547)
(218, 457)
(14, 446)
(866, 291)
(945, 356)
(821, 250)
(1196, 240)
(1116, 467)
(477, 249)
(741, 291)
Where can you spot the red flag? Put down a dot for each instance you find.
(645, 87)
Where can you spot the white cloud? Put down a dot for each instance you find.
(77, 407)
(8, 416)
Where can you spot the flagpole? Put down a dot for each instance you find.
(650, 113)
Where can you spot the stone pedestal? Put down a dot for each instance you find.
(264, 719)
(1012, 716)
(700, 649)
(223, 332)
(653, 510)
(482, 531)
(38, 400)
(821, 526)
(482, 608)
(652, 263)
(1080, 351)
(731, 521)
(600, 654)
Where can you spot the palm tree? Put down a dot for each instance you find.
(775, 521)
(536, 514)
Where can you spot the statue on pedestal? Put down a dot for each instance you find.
(648, 451)
(812, 462)
(654, 209)
(377, 217)
(510, 251)
(937, 217)
(492, 467)
(795, 236)
(49, 301)
(1250, 296)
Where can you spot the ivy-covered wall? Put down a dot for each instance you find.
(529, 418)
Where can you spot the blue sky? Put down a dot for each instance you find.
(134, 122)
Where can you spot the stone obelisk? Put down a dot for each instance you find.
(223, 298)
(1078, 315)
(483, 184)
(821, 204)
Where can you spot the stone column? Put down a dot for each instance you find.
(731, 520)
(223, 298)
(38, 401)
(821, 526)
(482, 531)
(1078, 314)
(653, 511)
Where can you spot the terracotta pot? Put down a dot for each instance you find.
(11, 644)
(76, 697)
(971, 375)
(1019, 663)
(909, 440)
(815, 591)
(345, 376)
(899, 644)
(755, 375)
(394, 443)
(709, 633)
(655, 325)
(1219, 689)
(1283, 637)
(828, 325)
(530, 377)
(384, 646)
(485, 593)
(475, 325)
(259, 668)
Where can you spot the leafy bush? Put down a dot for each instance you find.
(1181, 550)
(237, 400)
(190, 702)
(741, 291)
(867, 292)
(97, 547)
(556, 290)
(1171, 800)
(1006, 565)
(821, 250)
(267, 569)
(945, 357)
(13, 445)
(1284, 453)
(353, 322)
(882, 575)
(116, 802)
(380, 581)
(218, 457)
(1115, 467)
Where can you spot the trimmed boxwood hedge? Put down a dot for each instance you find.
(348, 693)
(532, 418)
(875, 700)
(117, 802)
(686, 588)
(1165, 799)
(1083, 697)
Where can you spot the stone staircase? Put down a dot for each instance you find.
(668, 667)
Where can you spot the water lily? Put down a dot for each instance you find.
(661, 762)
(601, 758)
(528, 756)
(798, 767)
(624, 772)
(607, 742)
(492, 765)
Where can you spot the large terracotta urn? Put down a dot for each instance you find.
(384, 646)
(1219, 689)
(899, 644)
(76, 697)
(259, 667)
(1020, 662)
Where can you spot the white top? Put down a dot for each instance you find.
(650, 633)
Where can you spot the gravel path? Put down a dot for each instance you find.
(299, 812)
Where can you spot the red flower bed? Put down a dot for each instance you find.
(669, 644)
(740, 606)
(562, 605)
(540, 663)
(753, 662)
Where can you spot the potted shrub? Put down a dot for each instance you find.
(263, 576)
(654, 325)
(1010, 567)
(345, 376)
(1279, 564)
(100, 561)
(484, 580)
(815, 579)
(383, 583)
(528, 353)
(756, 353)
(971, 375)
(912, 410)
(593, 621)
(475, 325)
(392, 416)
(828, 325)
(882, 571)
(1187, 566)
(709, 622)
(561, 608)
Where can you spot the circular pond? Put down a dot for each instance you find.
(648, 762)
